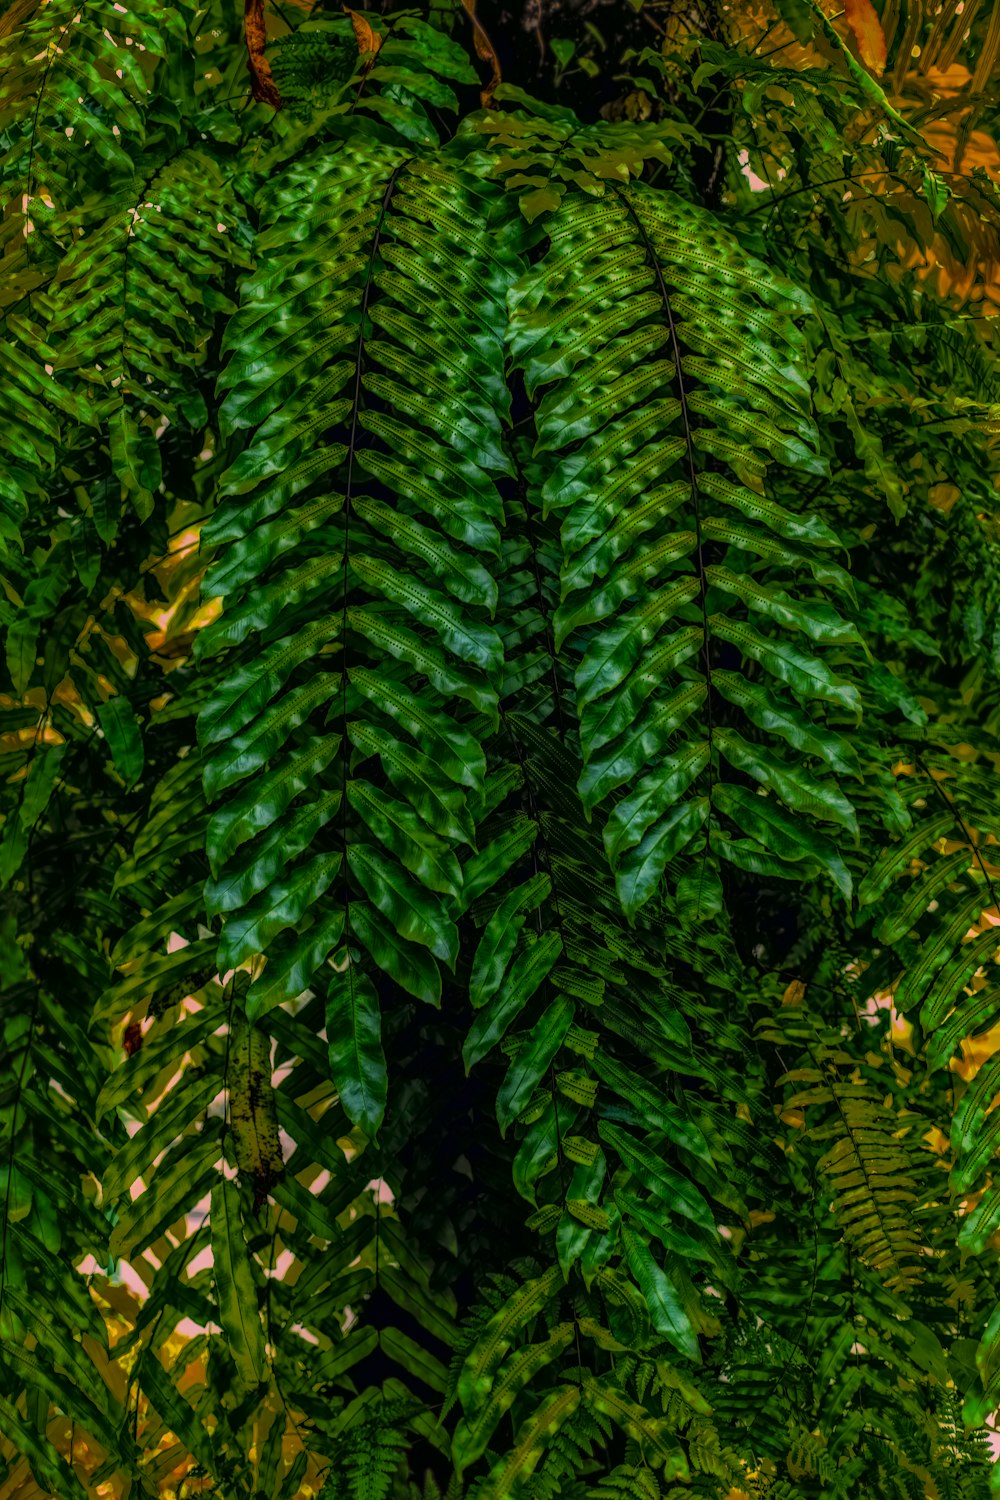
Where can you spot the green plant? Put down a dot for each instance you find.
(498, 918)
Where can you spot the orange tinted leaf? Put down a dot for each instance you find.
(367, 39)
(867, 30)
(794, 994)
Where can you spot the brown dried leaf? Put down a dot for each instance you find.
(368, 40)
(262, 83)
(987, 60)
(485, 50)
(20, 10)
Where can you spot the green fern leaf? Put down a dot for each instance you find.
(235, 1289)
(357, 1063)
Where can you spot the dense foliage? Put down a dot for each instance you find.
(499, 744)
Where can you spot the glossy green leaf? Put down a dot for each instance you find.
(281, 905)
(655, 1175)
(124, 738)
(655, 795)
(533, 1059)
(531, 964)
(292, 963)
(665, 1307)
(234, 1285)
(499, 939)
(354, 1041)
(640, 870)
(408, 964)
(414, 913)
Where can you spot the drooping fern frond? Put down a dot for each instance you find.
(351, 613)
(397, 75)
(870, 1165)
(73, 77)
(680, 375)
(932, 894)
(495, 919)
(626, 1481)
(134, 304)
(365, 1459)
(72, 110)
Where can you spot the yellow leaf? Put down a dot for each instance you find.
(541, 200)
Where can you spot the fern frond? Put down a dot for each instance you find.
(870, 1167)
(673, 356)
(398, 606)
(133, 305)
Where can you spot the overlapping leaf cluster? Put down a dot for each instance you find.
(498, 930)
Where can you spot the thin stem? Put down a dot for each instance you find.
(815, 187)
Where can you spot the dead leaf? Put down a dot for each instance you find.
(867, 31)
(485, 50)
(21, 10)
(987, 59)
(262, 83)
(367, 39)
(252, 1109)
